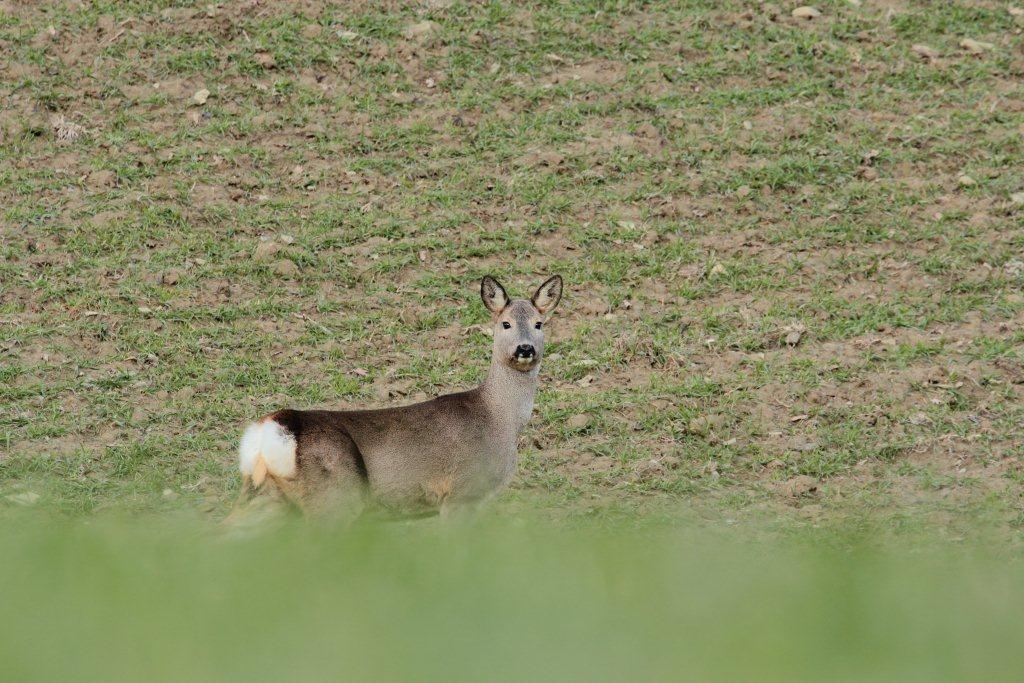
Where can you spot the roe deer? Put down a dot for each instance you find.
(450, 451)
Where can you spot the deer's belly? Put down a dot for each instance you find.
(468, 472)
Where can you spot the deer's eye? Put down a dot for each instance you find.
(507, 325)
(539, 325)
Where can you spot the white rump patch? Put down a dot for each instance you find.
(270, 442)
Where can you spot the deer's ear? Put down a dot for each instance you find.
(493, 294)
(548, 295)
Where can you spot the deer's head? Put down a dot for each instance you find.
(519, 323)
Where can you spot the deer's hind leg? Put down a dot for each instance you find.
(291, 492)
(334, 475)
(244, 493)
(258, 507)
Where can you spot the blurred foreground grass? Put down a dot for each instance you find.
(158, 600)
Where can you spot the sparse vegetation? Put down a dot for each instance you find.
(793, 245)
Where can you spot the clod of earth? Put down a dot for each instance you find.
(421, 31)
(716, 271)
(578, 422)
(703, 425)
(711, 470)
(266, 250)
(975, 47)
(171, 277)
(45, 37)
(102, 179)
(1013, 268)
(920, 419)
(649, 469)
(801, 485)
(806, 12)
(867, 173)
(286, 268)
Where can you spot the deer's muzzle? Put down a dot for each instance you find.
(525, 351)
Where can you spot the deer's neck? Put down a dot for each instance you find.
(509, 394)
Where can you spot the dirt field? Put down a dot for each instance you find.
(791, 238)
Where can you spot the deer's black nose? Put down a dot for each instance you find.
(525, 351)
